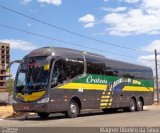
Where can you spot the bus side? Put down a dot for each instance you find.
(134, 82)
(97, 83)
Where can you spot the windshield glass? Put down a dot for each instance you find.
(31, 75)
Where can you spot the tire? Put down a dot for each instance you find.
(139, 105)
(73, 109)
(43, 115)
(132, 105)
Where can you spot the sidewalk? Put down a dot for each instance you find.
(6, 111)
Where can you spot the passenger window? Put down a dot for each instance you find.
(73, 67)
(58, 75)
(67, 69)
(95, 66)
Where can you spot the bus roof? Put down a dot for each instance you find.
(46, 51)
(59, 51)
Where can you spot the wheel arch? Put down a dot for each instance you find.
(142, 99)
(77, 99)
(133, 97)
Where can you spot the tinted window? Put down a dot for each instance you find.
(73, 67)
(58, 75)
(126, 70)
(95, 66)
(66, 69)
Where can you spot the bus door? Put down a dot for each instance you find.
(119, 95)
(57, 79)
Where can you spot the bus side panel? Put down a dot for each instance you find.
(91, 99)
(124, 99)
(60, 98)
(148, 97)
(58, 102)
(120, 101)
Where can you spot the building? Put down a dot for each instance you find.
(4, 61)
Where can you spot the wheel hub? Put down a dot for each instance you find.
(73, 108)
(132, 105)
(139, 105)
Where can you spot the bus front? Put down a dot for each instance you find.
(32, 85)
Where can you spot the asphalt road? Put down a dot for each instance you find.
(150, 117)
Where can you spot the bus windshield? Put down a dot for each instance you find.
(31, 75)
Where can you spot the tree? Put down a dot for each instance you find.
(9, 85)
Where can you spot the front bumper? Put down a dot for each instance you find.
(31, 107)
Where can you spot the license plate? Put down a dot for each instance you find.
(26, 108)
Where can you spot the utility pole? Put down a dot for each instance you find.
(156, 76)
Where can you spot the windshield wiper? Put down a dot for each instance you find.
(40, 83)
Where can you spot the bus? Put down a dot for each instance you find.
(61, 80)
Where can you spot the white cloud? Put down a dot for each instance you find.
(127, 1)
(141, 20)
(89, 25)
(151, 7)
(131, 1)
(154, 45)
(20, 44)
(148, 60)
(53, 2)
(88, 20)
(118, 9)
(23, 2)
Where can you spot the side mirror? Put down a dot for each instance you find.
(54, 81)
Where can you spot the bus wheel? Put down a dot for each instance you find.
(139, 106)
(132, 105)
(43, 115)
(73, 110)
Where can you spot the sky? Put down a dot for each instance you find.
(134, 24)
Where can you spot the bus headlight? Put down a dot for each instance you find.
(44, 100)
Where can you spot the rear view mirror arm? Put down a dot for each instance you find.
(11, 63)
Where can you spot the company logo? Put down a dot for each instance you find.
(90, 79)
